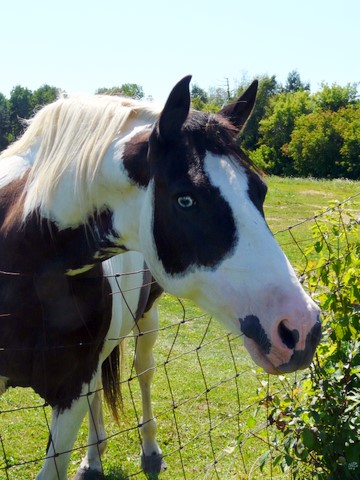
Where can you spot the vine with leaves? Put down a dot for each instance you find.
(316, 420)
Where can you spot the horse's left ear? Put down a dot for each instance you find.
(175, 111)
(239, 111)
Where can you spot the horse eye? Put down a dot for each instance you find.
(186, 201)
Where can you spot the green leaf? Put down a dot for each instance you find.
(308, 438)
(352, 453)
(263, 459)
(251, 422)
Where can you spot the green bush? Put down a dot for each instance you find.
(317, 419)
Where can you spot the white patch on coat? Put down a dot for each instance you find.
(125, 274)
(11, 169)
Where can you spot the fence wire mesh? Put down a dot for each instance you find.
(209, 398)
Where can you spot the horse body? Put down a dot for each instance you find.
(54, 312)
(91, 179)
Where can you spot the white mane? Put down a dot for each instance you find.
(74, 134)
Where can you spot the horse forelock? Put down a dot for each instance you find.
(216, 134)
(73, 135)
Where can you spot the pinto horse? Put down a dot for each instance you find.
(95, 177)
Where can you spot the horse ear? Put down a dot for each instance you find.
(239, 111)
(175, 111)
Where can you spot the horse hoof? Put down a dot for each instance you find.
(88, 474)
(153, 463)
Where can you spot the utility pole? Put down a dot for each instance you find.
(228, 88)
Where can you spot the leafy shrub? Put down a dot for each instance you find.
(317, 419)
(326, 144)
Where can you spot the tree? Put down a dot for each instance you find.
(347, 124)
(326, 144)
(335, 97)
(218, 97)
(109, 91)
(44, 95)
(197, 92)
(315, 145)
(268, 87)
(210, 101)
(276, 128)
(5, 124)
(294, 83)
(21, 107)
(198, 97)
(132, 90)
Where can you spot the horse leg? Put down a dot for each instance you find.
(91, 467)
(151, 456)
(63, 432)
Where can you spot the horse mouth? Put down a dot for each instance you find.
(259, 357)
(299, 360)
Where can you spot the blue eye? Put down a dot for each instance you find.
(186, 201)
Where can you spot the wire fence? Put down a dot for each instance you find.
(208, 396)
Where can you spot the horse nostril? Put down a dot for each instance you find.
(289, 337)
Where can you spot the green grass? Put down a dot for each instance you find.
(205, 373)
(292, 200)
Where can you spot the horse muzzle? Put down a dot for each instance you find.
(301, 359)
(284, 352)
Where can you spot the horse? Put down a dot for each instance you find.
(95, 177)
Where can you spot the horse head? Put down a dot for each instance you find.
(204, 235)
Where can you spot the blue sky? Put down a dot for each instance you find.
(81, 45)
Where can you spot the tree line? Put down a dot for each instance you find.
(292, 131)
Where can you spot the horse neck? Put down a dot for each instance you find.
(71, 250)
(121, 190)
(112, 221)
(110, 190)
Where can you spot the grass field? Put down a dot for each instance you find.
(290, 201)
(216, 430)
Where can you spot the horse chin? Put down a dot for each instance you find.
(259, 357)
